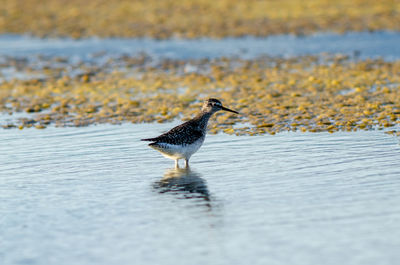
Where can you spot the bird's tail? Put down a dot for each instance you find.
(148, 139)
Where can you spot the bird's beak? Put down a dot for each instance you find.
(226, 109)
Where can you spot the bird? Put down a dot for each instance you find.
(182, 141)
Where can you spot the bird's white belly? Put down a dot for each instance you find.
(179, 151)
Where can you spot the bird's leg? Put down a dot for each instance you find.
(187, 163)
(176, 163)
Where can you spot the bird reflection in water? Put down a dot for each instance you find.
(184, 183)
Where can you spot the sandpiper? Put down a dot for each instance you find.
(182, 141)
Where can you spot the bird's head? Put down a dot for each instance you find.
(214, 105)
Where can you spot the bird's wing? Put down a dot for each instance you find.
(182, 134)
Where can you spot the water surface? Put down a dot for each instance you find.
(98, 195)
(383, 44)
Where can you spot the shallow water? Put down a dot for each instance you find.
(365, 44)
(98, 195)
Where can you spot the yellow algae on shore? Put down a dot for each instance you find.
(194, 18)
(305, 93)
